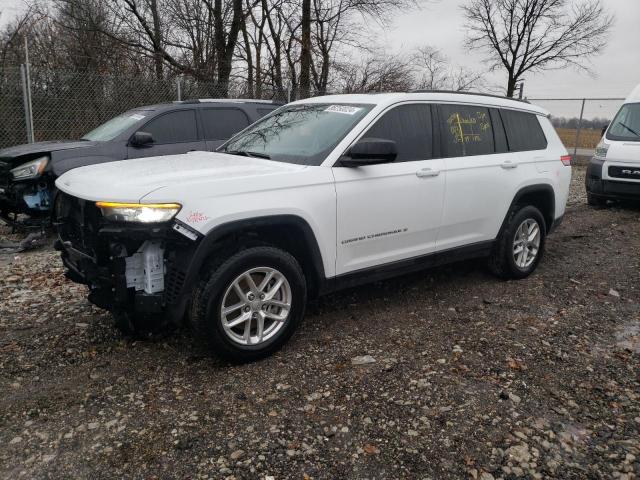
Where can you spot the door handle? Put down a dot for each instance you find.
(427, 172)
(508, 165)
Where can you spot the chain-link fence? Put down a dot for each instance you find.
(66, 105)
(579, 121)
(12, 109)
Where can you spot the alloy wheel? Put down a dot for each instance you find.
(526, 243)
(256, 305)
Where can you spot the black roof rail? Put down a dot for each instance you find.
(230, 100)
(503, 97)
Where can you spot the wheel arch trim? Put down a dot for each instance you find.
(208, 243)
(543, 188)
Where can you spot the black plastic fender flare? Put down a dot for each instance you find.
(207, 245)
(529, 189)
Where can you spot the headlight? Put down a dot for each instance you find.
(139, 212)
(32, 169)
(602, 149)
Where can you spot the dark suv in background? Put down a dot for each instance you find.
(28, 172)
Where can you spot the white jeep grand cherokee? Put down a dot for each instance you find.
(322, 194)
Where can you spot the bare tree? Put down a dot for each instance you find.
(305, 50)
(531, 35)
(192, 37)
(435, 72)
(376, 74)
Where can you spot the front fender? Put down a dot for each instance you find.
(207, 245)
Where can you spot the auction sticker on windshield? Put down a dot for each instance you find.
(346, 109)
(136, 116)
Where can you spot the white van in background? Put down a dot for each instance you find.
(614, 172)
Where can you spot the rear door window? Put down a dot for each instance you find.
(466, 130)
(410, 126)
(223, 123)
(174, 127)
(524, 132)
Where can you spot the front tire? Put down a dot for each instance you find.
(251, 303)
(520, 245)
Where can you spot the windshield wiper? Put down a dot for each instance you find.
(630, 129)
(245, 153)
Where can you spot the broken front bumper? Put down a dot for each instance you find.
(127, 267)
(33, 198)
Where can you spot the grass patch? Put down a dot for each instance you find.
(589, 138)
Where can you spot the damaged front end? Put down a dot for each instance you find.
(128, 267)
(25, 189)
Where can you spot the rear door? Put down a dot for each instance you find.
(481, 174)
(390, 212)
(220, 124)
(172, 132)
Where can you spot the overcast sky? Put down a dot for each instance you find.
(439, 23)
(616, 71)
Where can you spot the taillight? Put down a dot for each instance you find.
(566, 160)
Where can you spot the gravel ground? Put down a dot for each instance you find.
(460, 375)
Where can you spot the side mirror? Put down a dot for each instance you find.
(141, 139)
(370, 151)
(604, 129)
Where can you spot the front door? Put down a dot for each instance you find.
(172, 133)
(392, 211)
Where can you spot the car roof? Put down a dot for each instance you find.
(222, 101)
(387, 99)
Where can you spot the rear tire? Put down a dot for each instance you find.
(251, 303)
(520, 245)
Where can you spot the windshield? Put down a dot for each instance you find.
(303, 134)
(114, 127)
(626, 126)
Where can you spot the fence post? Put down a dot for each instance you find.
(575, 149)
(25, 100)
(179, 88)
(26, 89)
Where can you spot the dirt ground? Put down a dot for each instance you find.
(472, 377)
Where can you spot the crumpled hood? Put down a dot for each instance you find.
(131, 180)
(43, 147)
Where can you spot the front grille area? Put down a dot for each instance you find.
(77, 222)
(632, 173)
(95, 250)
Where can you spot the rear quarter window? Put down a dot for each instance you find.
(524, 132)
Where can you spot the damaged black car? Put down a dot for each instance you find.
(28, 172)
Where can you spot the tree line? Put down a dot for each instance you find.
(267, 48)
(573, 123)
